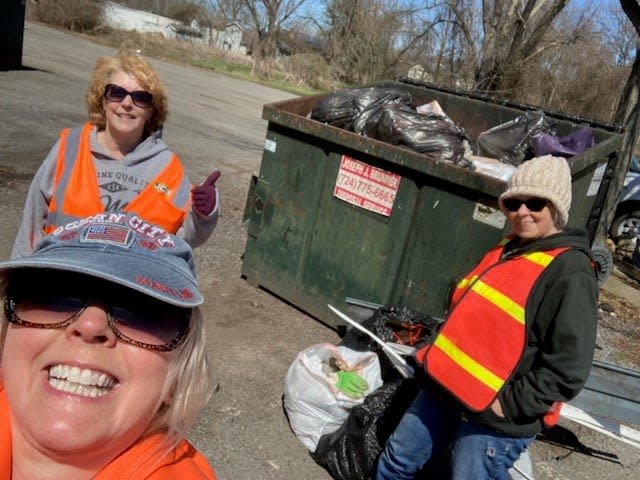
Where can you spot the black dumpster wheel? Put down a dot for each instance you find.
(604, 263)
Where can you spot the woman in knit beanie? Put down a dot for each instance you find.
(518, 340)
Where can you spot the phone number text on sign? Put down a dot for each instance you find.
(368, 187)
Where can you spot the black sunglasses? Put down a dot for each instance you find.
(140, 98)
(533, 204)
(145, 326)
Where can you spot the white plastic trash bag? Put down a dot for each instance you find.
(313, 404)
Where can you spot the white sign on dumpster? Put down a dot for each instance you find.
(368, 187)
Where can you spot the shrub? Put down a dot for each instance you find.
(310, 69)
(76, 15)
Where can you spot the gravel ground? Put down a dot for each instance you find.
(619, 326)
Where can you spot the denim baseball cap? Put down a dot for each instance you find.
(121, 248)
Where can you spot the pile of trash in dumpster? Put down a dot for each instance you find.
(390, 115)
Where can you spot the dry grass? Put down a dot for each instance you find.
(177, 51)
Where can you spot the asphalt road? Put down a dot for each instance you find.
(215, 123)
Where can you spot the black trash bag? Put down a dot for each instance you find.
(351, 452)
(392, 324)
(351, 109)
(337, 109)
(431, 134)
(370, 115)
(510, 142)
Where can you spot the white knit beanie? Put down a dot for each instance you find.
(546, 177)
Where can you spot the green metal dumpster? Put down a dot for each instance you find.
(429, 223)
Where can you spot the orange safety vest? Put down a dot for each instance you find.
(143, 460)
(481, 342)
(5, 436)
(164, 202)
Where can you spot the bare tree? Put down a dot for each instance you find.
(582, 77)
(366, 40)
(513, 33)
(488, 46)
(186, 12)
(227, 11)
(269, 18)
(457, 45)
(531, 51)
(619, 35)
(359, 38)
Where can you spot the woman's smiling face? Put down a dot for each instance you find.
(125, 118)
(78, 393)
(531, 225)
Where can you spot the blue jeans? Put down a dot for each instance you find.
(426, 428)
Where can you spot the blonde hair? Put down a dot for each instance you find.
(190, 383)
(132, 64)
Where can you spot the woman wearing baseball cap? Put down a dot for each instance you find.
(517, 342)
(103, 367)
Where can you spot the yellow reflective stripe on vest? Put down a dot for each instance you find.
(466, 281)
(468, 364)
(540, 258)
(500, 300)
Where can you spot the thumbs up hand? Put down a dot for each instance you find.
(203, 197)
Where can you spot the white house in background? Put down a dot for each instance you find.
(229, 39)
(119, 17)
